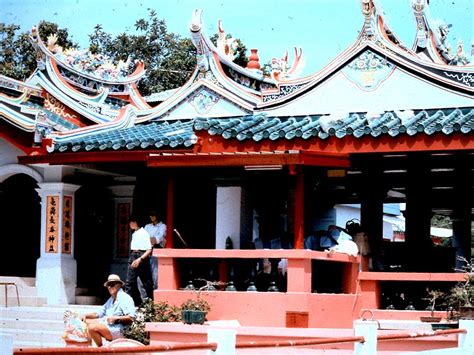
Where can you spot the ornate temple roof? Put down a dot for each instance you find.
(376, 87)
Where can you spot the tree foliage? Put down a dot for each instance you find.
(45, 29)
(18, 57)
(168, 58)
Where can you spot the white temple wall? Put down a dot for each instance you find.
(400, 91)
(8, 153)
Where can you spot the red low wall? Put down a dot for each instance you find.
(298, 307)
(271, 309)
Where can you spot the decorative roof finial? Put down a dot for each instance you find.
(368, 10)
(254, 61)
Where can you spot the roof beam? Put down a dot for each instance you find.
(248, 159)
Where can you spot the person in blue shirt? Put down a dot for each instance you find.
(115, 314)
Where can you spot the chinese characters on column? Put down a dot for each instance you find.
(67, 225)
(123, 230)
(52, 213)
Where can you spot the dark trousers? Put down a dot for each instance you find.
(143, 271)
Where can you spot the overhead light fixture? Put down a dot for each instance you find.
(442, 170)
(395, 194)
(262, 167)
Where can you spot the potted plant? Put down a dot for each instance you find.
(461, 296)
(194, 310)
(150, 312)
(433, 295)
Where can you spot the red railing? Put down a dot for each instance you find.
(306, 342)
(434, 333)
(239, 345)
(118, 350)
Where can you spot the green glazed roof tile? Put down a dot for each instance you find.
(260, 126)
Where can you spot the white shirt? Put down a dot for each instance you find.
(346, 245)
(157, 231)
(140, 240)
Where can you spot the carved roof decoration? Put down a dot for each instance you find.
(431, 44)
(432, 38)
(84, 63)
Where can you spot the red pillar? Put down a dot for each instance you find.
(169, 214)
(299, 211)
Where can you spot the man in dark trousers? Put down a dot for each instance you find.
(139, 262)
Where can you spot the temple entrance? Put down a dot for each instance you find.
(94, 245)
(20, 220)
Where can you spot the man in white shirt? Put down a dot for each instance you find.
(139, 262)
(157, 231)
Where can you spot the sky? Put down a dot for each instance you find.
(323, 28)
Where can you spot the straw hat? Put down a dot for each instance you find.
(113, 278)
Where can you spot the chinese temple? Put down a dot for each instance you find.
(242, 154)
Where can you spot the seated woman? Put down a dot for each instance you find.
(115, 314)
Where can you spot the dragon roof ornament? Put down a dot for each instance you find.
(226, 50)
(435, 32)
(226, 45)
(282, 72)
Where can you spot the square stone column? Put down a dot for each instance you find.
(56, 269)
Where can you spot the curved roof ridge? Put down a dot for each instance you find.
(68, 89)
(135, 76)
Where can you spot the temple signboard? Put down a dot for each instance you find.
(52, 215)
(67, 225)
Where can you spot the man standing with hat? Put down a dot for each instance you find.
(114, 315)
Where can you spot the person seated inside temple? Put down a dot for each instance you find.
(329, 274)
(345, 245)
(334, 239)
(322, 240)
(272, 270)
(264, 276)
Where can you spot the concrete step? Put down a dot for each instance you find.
(37, 344)
(26, 291)
(29, 301)
(23, 290)
(33, 324)
(44, 313)
(37, 326)
(87, 300)
(20, 281)
(79, 308)
(42, 336)
(81, 291)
